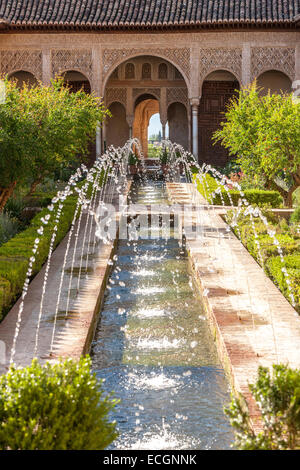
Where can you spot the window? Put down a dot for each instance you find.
(162, 71)
(146, 71)
(130, 71)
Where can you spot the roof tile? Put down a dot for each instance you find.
(136, 13)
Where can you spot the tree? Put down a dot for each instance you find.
(42, 128)
(264, 133)
(17, 128)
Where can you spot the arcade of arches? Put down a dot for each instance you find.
(145, 85)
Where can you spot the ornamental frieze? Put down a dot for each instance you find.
(180, 57)
(177, 95)
(146, 91)
(118, 95)
(212, 59)
(79, 60)
(25, 60)
(272, 58)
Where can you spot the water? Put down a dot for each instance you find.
(154, 349)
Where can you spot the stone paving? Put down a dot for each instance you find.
(252, 321)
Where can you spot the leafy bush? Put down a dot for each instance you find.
(295, 217)
(15, 205)
(9, 226)
(267, 247)
(54, 407)
(15, 254)
(253, 196)
(292, 264)
(278, 397)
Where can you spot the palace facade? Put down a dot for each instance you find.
(184, 59)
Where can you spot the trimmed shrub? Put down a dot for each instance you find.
(15, 254)
(54, 407)
(292, 264)
(277, 394)
(254, 196)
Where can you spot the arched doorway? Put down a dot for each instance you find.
(76, 81)
(217, 90)
(148, 85)
(145, 107)
(273, 81)
(22, 77)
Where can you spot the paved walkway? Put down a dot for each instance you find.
(252, 321)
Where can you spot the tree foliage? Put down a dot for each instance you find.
(41, 129)
(264, 133)
(277, 394)
(54, 407)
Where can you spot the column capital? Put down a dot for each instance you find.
(130, 119)
(195, 102)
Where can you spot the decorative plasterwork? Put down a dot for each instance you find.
(213, 59)
(26, 60)
(79, 60)
(177, 95)
(272, 58)
(146, 91)
(180, 57)
(118, 95)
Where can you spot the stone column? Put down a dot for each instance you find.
(46, 66)
(103, 137)
(195, 111)
(130, 120)
(98, 141)
(246, 65)
(296, 82)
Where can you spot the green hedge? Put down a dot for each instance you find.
(253, 196)
(15, 254)
(292, 264)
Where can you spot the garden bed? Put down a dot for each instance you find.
(261, 246)
(15, 254)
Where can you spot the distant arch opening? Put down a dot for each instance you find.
(22, 77)
(77, 81)
(218, 88)
(274, 81)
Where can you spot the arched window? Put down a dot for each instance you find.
(146, 71)
(129, 71)
(162, 71)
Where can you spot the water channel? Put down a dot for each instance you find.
(153, 347)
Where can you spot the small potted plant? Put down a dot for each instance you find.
(164, 160)
(133, 163)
